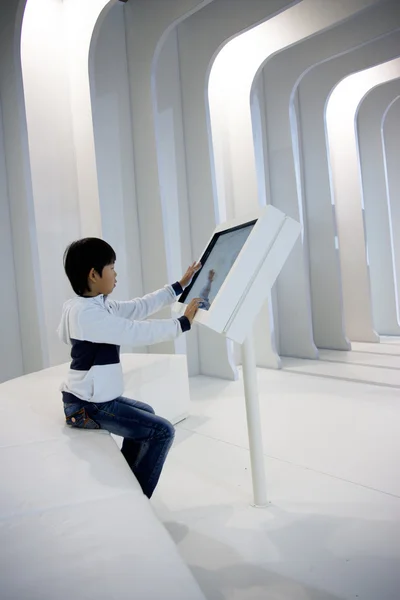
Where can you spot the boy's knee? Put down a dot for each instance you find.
(170, 429)
(166, 429)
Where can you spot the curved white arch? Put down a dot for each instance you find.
(30, 350)
(80, 20)
(340, 117)
(121, 60)
(234, 71)
(146, 26)
(55, 46)
(279, 80)
(390, 140)
(198, 39)
(377, 213)
(112, 128)
(314, 89)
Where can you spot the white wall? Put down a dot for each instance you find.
(127, 176)
(377, 218)
(147, 23)
(114, 149)
(340, 116)
(314, 90)
(10, 335)
(30, 306)
(200, 37)
(390, 140)
(231, 79)
(65, 200)
(79, 22)
(172, 173)
(271, 321)
(54, 51)
(281, 75)
(115, 160)
(52, 156)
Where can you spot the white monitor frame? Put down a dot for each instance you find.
(249, 281)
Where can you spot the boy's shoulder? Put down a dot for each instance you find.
(78, 314)
(79, 305)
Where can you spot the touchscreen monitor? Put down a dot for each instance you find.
(217, 261)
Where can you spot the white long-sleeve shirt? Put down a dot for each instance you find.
(96, 328)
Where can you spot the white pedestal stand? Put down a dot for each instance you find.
(254, 423)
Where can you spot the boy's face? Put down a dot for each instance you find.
(108, 279)
(104, 284)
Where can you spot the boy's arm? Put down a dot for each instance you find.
(141, 308)
(101, 327)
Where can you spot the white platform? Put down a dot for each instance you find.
(73, 520)
(332, 454)
(160, 380)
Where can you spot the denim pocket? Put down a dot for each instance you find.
(81, 420)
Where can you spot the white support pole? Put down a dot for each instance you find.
(254, 423)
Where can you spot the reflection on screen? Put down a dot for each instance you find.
(217, 265)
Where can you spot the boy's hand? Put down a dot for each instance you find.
(192, 309)
(188, 276)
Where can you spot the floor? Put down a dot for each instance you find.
(332, 455)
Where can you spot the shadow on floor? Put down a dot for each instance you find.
(297, 557)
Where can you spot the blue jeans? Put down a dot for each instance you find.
(147, 437)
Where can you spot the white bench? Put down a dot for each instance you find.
(73, 520)
(160, 380)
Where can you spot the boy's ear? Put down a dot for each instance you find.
(93, 275)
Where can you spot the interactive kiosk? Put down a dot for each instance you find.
(239, 267)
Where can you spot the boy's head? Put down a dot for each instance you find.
(89, 265)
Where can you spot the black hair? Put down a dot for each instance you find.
(84, 255)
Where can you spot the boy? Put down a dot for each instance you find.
(95, 327)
